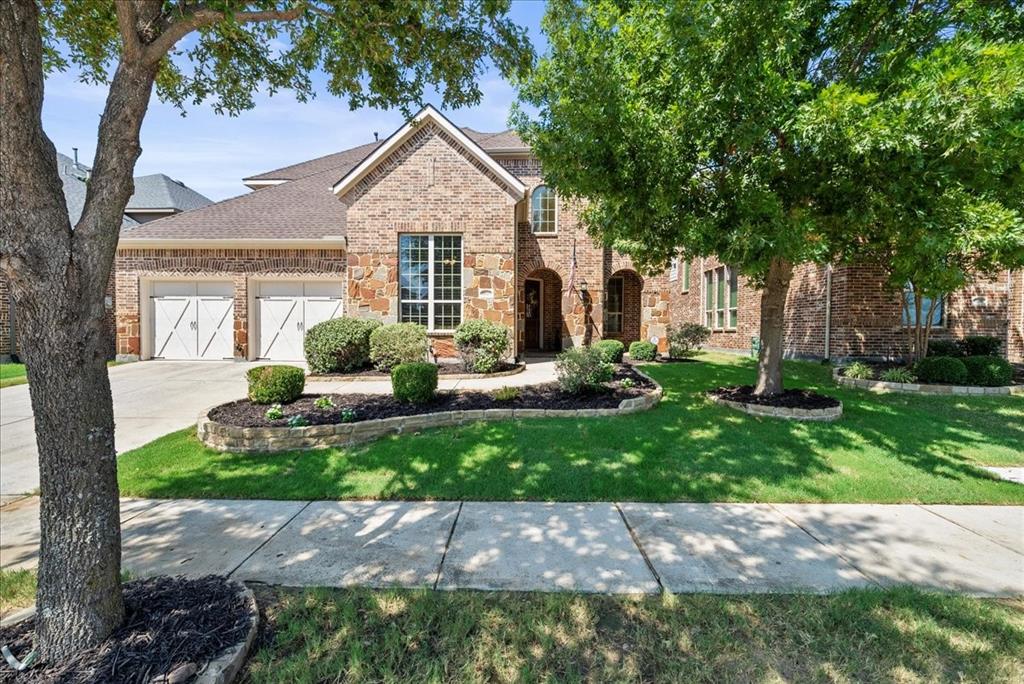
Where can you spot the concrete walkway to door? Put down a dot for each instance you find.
(153, 398)
(585, 547)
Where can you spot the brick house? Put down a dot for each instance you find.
(842, 312)
(155, 195)
(434, 225)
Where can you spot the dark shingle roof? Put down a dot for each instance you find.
(158, 191)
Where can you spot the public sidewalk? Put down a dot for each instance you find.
(591, 547)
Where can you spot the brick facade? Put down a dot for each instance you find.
(240, 266)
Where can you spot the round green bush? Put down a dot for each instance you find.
(339, 345)
(275, 384)
(944, 348)
(943, 370)
(481, 344)
(611, 350)
(414, 383)
(988, 371)
(979, 345)
(582, 369)
(397, 343)
(686, 339)
(642, 350)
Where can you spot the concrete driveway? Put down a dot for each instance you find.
(151, 399)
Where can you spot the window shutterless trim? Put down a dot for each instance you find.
(533, 224)
(431, 301)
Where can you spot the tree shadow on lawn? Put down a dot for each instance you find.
(885, 448)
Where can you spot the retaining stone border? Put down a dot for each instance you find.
(384, 378)
(275, 439)
(823, 415)
(921, 387)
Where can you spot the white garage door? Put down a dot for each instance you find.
(192, 320)
(287, 309)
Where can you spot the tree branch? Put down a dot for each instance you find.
(127, 23)
(204, 16)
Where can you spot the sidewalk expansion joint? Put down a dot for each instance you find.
(639, 547)
(830, 547)
(968, 529)
(447, 543)
(267, 540)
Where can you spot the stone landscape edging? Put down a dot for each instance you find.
(387, 378)
(921, 387)
(230, 438)
(823, 414)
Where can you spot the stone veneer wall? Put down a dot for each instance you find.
(237, 265)
(429, 184)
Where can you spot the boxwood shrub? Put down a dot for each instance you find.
(686, 339)
(611, 350)
(988, 371)
(397, 343)
(275, 384)
(582, 369)
(481, 344)
(641, 350)
(414, 383)
(339, 345)
(943, 370)
(979, 345)
(943, 348)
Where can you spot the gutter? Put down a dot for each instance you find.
(828, 312)
(329, 242)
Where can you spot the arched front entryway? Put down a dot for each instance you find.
(622, 294)
(541, 307)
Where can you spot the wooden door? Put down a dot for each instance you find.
(534, 314)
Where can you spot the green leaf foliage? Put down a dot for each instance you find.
(414, 383)
(339, 345)
(275, 384)
(397, 343)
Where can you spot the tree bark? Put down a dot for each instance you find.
(58, 280)
(773, 310)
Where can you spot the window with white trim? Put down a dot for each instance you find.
(721, 298)
(613, 307)
(910, 310)
(430, 281)
(673, 269)
(686, 276)
(544, 210)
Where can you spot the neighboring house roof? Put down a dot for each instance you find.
(158, 191)
(428, 115)
(73, 176)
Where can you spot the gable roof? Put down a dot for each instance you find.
(158, 191)
(396, 139)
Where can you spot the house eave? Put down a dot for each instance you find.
(330, 242)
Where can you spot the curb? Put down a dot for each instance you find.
(229, 438)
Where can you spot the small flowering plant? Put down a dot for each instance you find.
(347, 415)
(274, 412)
(324, 403)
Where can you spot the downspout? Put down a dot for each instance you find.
(828, 312)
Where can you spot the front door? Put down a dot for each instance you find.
(534, 314)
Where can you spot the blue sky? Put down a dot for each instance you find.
(212, 152)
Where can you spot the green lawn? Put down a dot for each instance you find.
(886, 448)
(12, 374)
(320, 635)
(17, 590)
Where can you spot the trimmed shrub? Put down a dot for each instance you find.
(899, 375)
(944, 370)
(414, 383)
(611, 350)
(943, 348)
(275, 384)
(684, 340)
(642, 350)
(339, 345)
(979, 345)
(859, 371)
(582, 370)
(481, 344)
(397, 343)
(988, 371)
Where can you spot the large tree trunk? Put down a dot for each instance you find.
(58, 278)
(773, 311)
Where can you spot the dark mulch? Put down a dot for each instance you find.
(442, 370)
(791, 398)
(169, 623)
(244, 413)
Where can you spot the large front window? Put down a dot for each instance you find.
(935, 306)
(430, 280)
(613, 308)
(721, 298)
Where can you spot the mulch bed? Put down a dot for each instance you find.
(170, 623)
(791, 398)
(244, 413)
(442, 370)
